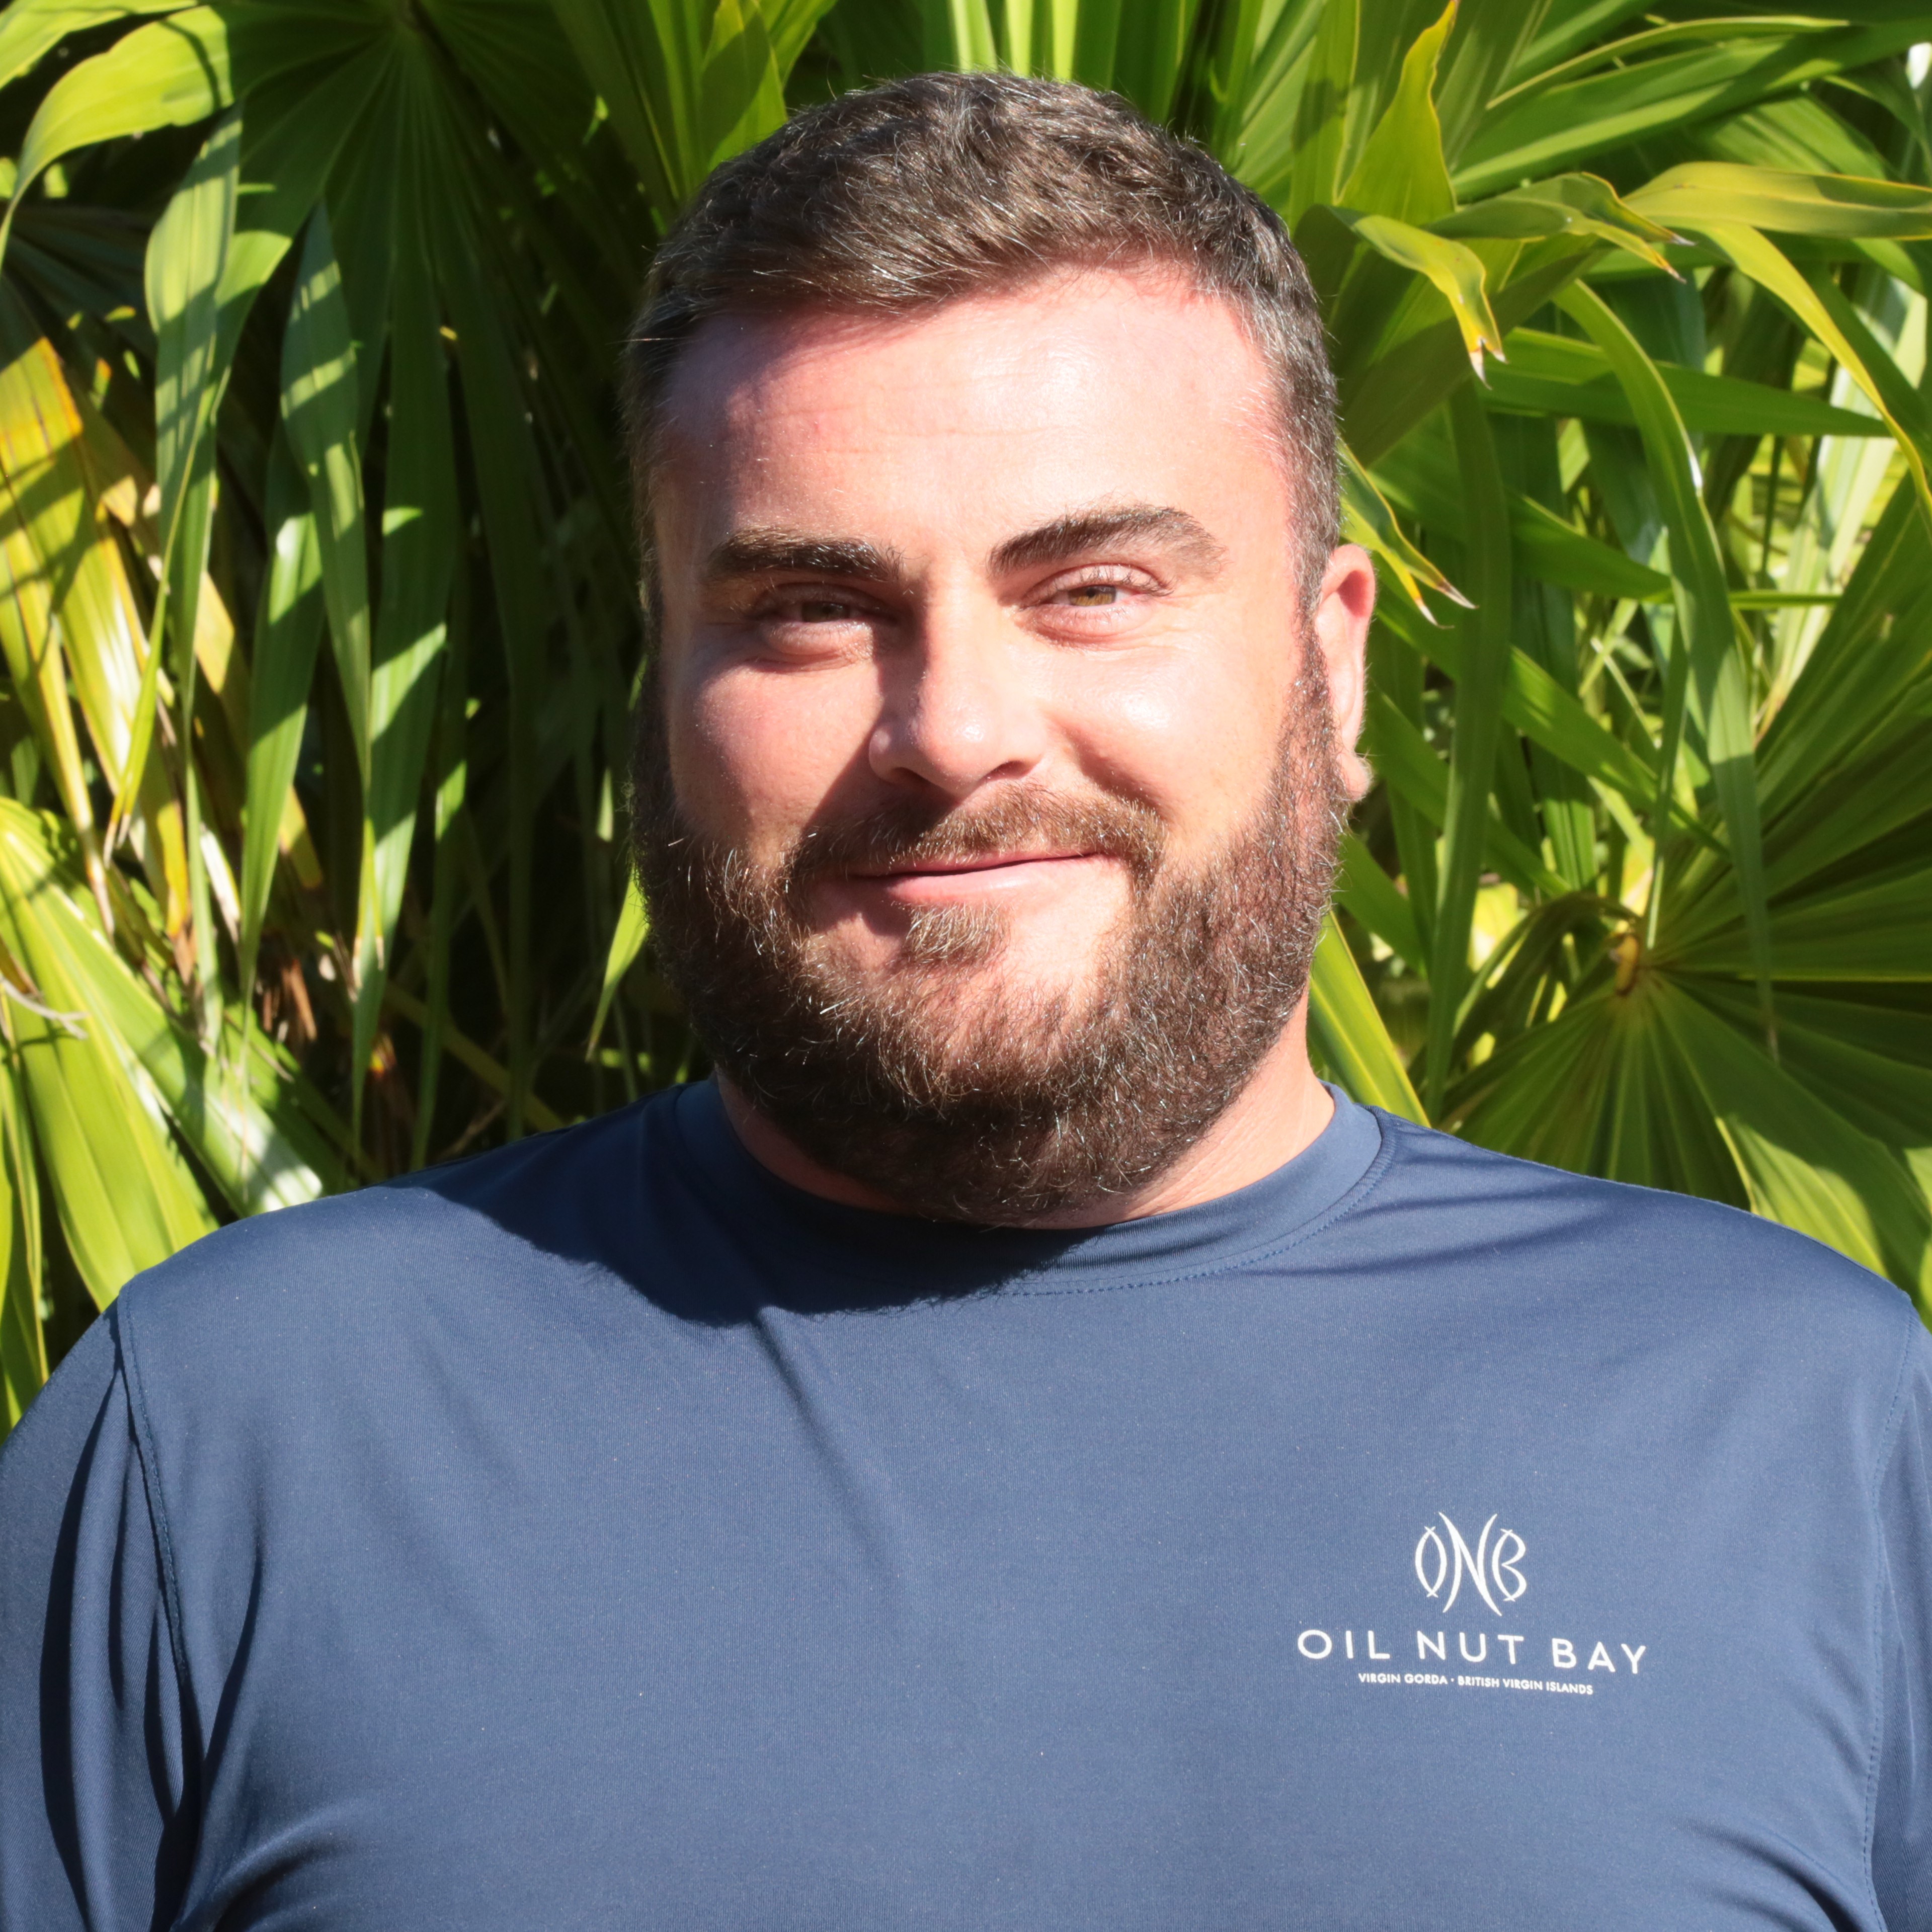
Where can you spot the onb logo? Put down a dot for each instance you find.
(1492, 1570)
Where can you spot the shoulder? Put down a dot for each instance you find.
(40, 1453)
(354, 1273)
(1640, 1252)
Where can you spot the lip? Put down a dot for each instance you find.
(983, 875)
(993, 862)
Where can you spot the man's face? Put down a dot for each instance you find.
(978, 626)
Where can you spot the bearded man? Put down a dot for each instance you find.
(1014, 1449)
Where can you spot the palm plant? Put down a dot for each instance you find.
(309, 313)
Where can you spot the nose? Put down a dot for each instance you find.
(959, 709)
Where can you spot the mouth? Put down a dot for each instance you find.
(984, 862)
(928, 881)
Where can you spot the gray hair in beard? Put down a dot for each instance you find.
(1005, 1106)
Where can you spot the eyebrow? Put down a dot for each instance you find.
(769, 553)
(1184, 537)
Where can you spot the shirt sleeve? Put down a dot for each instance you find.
(1902, 1809)
(94, 1832)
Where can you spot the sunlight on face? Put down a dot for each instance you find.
(1033, 545)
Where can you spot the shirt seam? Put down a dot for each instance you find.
(1345, 1204)
(1882, 1462)
(147, 1453)
(696, 1174)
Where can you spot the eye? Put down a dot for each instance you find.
(1111, 593)
(811, 607)
(813, 622)
(824, 610)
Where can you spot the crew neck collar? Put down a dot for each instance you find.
(827, 1247)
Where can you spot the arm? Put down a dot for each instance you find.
(94, 1830)
(1902, 1807)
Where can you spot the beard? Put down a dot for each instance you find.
(997, 1104)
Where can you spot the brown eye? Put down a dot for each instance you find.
(1093, 596)
(823, 610)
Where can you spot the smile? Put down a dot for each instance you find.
(984, 874)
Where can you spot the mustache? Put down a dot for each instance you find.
(907, 831)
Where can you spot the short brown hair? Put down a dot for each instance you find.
(905, 197)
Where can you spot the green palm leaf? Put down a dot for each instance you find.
(1642, 884)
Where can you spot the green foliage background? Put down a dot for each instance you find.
(316, 603)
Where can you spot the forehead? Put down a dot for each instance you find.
(1092, 385)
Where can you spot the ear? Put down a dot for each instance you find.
(1341, 634)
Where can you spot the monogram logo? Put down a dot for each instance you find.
(1492, 1570)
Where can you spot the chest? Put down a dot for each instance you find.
(974, 1638)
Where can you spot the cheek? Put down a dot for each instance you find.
(1195, 737)
(755, 756)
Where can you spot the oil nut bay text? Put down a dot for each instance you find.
(1516, 1651)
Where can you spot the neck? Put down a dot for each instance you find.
(1280, 1111)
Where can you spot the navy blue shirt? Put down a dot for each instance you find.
(602, 1534)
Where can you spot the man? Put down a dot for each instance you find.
(1015, 1450)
